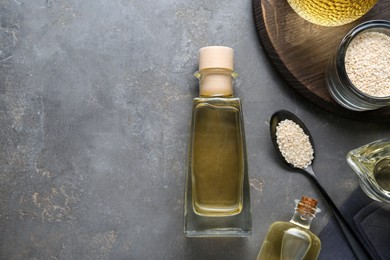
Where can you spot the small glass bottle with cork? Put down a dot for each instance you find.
(293, 239)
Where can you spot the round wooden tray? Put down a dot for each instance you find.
(300, 51)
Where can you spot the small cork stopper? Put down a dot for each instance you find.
(216, 57)
(307, 205)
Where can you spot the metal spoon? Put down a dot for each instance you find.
(354, 242)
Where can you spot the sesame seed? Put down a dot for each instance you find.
(294, 144)
(367, 63)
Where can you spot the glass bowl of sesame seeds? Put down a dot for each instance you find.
(358, 75)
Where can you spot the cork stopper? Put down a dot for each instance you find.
(307, 205)
(216, 70)
(216, 57)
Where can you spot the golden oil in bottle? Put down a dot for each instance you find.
(217, 143)
(217, 201)
(285, 241)
(331, 12)
(293, 239)
(217, 157)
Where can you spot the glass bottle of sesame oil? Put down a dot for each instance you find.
(331, 12)
(293, 240)
(217, 158)
(217, 192)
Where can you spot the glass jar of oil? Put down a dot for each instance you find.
(371, 162)
(331, 12)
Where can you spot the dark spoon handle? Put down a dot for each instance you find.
(354, 242)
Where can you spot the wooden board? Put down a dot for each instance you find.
(300, 51)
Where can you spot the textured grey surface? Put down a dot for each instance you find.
(95, 104)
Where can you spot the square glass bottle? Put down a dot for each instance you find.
(217, 199)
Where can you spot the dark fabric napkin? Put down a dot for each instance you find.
(370, 220)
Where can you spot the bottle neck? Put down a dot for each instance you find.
(302, 219)
(215, 82)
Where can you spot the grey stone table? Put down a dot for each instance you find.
(95, 104)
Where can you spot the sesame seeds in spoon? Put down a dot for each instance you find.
(295, 145)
